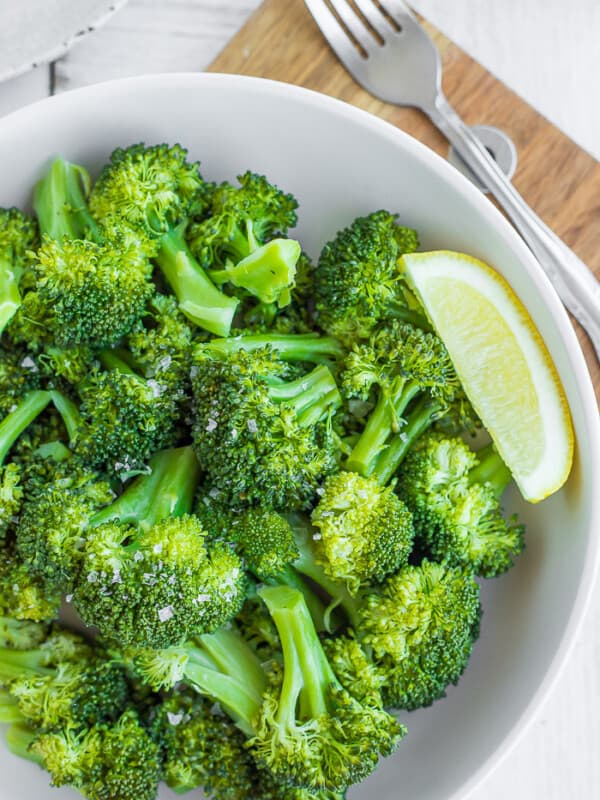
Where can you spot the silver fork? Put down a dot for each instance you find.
(388, 52)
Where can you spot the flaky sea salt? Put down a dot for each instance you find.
(165, 613)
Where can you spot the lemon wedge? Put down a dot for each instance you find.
(503, 364)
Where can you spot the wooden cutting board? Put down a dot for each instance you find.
(556, 177)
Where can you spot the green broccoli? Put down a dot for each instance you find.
(405, 365)
(262, 439)
(63, 681)
(310, 731)
(18, 237)
(365, 531)
(147, 576)
(454, 494)
(151, 193)
(105, 761)
(125, 418)
(420, 625)
(309, 347)
(235, 241)
(357, 283)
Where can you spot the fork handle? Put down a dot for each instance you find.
(574, 282)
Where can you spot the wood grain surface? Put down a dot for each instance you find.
(556, 177)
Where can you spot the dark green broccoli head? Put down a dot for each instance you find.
(146, 189)
(51, 528)
(458, 517)
(104, 762)
(159, 586)
(20, 372)
(421, 625)
(23, 597)
(96, 292)
(264, 539)
(365, 531)
(126, 419)
(202, 748)
(260, 439)
(357, 282)
(241, 219)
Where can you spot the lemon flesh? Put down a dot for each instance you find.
(503, 364)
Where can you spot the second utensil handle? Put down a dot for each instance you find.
(576, 285)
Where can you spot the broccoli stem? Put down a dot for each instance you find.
(420, 418)
(318, 610)
(59, 201)
(236, 679)
(19, 738)
(13, 425)
(10, 297)
(69, 413)
(290, 347)
(18, 663)
(307, 673)
(491, 470)
(310, 396)
(9, 708)
(306, 565)
(168, 491)
(198, 298)
(266, 273)
(381, 424)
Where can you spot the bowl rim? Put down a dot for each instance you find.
(450, 175)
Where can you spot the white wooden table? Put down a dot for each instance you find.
(548, 51)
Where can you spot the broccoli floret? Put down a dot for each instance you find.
(455, 498)
(357, 281)
(49, 536)
(54, 686)
(125, 418)
(261, 439)
(24, 598)
(151, 192)
(96, 292)
(104, 762)
(355, 669)
(147, 575)
(18, 237)
(405, 365)
(421, 625)
(365, 530)
(307, 716)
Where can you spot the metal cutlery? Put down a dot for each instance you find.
(387, 51)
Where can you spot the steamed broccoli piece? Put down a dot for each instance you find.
(24, 599)
(151, 193)
(11, 427)
(219, 665)
(104, 762)
(60, 202)
(18, 237)
(420, 625)
(455, 498)
(355, 668)
(20, 372)
(310, 732)
(51, 530)
(236, 244)
(309, 347)
(262, 439)
(357, 281)
(54, 685)
(148, 576)
(365, 531)
(125, 418)
(404, 365)
(265, 541)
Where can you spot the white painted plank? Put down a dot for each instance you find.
(154, 36)
(25, 89)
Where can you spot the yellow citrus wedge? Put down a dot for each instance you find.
(503, 364)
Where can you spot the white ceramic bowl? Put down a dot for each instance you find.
(341, 162)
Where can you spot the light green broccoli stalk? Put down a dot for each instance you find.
(18, 237)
